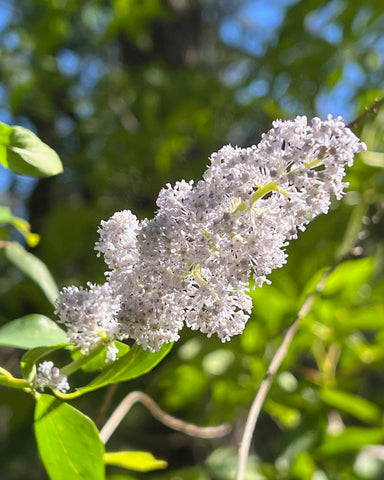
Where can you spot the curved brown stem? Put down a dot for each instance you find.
(168, 420)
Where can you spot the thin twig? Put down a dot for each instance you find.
(271, 372)
(367, 113)
(172, 422)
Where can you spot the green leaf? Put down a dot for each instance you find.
(25, 229)
(303, 466)
(29, 359)
(3, 156)
(348, 277)
(351, 439)
(374, 159)
(369, 317)
(134, 364)
(22, 225)
(346, 402)
(139, 461)
(5, 136)
(123, 476)
(68, 441)
(5, 215)
(288, 416)
(352, 231)
(28, 155)
(312, 284)
(33, 268)
(98, 362)
(31, 331)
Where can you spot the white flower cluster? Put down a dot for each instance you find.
(191, 263)
(90, 314)
(49, 376)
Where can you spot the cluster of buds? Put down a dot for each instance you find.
(49, 376)
(191, 264)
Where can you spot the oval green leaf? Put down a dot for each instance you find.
(99, 361)
(139, 461)
(133, 364)
(68, 441)
(348, 277)
(28, 155)
(31, 331)
(357, 406)
(33, 268)
(351, 439)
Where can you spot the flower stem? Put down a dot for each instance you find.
(260, 192)
(77, 364)
(9, 380)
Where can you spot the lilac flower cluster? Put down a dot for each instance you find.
(191, 264)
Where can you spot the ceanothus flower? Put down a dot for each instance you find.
(191, 264)
(49, 376)
(89, 315)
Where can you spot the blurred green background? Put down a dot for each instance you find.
(135, 94)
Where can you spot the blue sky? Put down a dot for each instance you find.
(252, 28)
